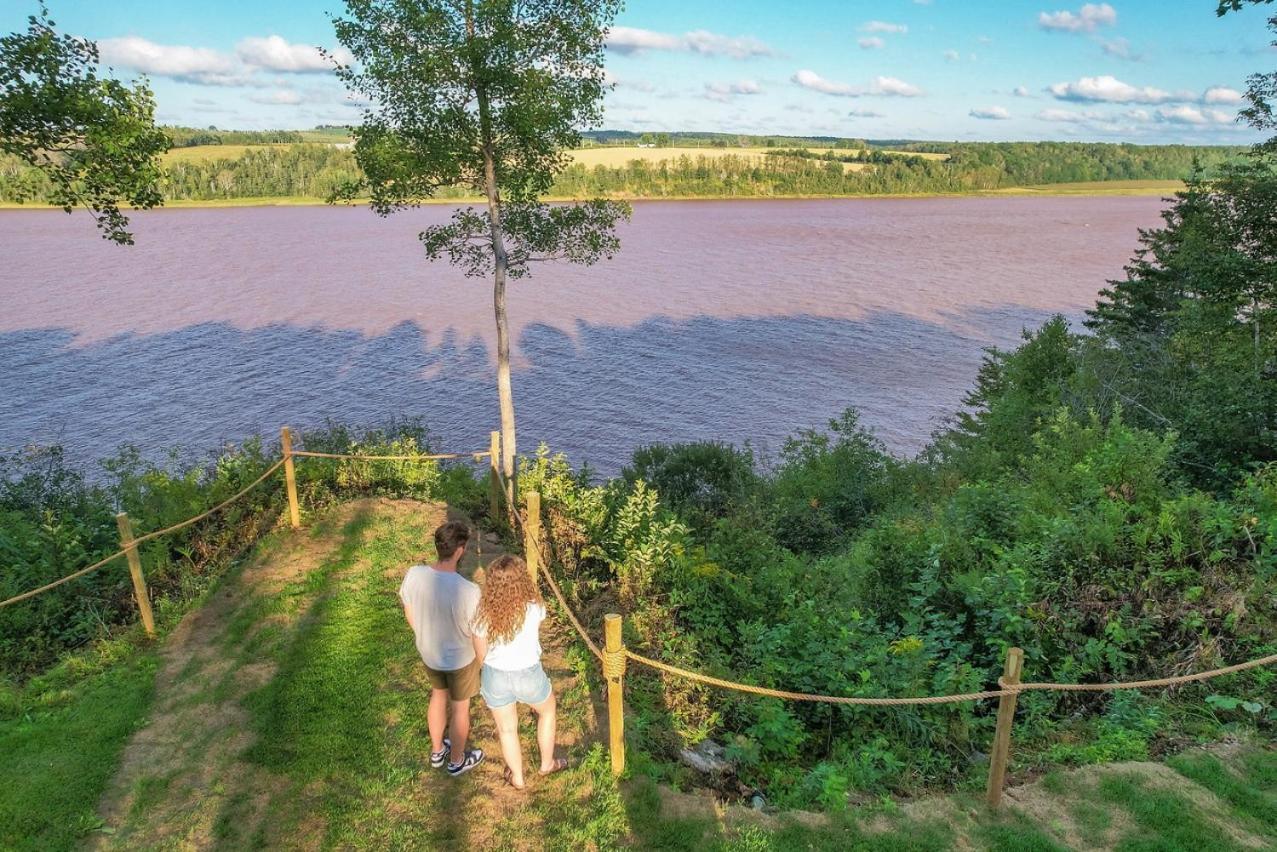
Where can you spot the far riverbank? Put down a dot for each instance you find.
(1135, 188)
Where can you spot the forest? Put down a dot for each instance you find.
(316, 171)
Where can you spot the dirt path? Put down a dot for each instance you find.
(187, 780)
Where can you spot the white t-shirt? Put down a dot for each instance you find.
(442, 605)
(523, 651)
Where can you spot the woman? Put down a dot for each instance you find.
(508, 644)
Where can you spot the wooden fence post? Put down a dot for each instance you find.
(532, 533)
(614, 649)
(494, 476)
(135, 569)
(1001, 754)
(290, 477)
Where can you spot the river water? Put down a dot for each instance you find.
(731, 320)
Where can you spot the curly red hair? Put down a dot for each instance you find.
(503, 604)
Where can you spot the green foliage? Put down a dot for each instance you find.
(828, 485)
(92, 139)
(702, 482)
(487, 96)
(53, 521)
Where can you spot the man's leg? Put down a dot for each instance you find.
(507, 722)
(460, 730)
(437, 718)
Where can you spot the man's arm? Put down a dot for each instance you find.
(480, 647)
(407, 613)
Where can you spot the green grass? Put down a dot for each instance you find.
(58, 756)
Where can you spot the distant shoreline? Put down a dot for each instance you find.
(1145, 188)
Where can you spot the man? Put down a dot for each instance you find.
(439, 604)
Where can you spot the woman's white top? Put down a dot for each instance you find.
(523, 651)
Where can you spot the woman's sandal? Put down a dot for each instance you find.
(509, 779)
(560, 764)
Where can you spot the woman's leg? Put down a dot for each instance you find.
(547, 729)
(507, 721)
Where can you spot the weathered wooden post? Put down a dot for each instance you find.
(135, 570)
(614, 671)
(1001, 754)
(532, 533)
(494, 476)
(290, 477)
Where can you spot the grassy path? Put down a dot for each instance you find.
(288, 712)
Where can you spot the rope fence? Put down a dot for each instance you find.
(614, 655)
(129, 544)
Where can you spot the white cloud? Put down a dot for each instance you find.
(1088, 19)
(192, 64)
(893, 86)
(865, 113)
(952, 56)
(883, 27)
(1109, 89)
(631, 40)
(1184, 114)
(1221, 95)
(886, 86)
(1069, 116)
(1020, 91)
(1119, 48)
(871, 43)
(280, 97)
(611, 79)
(993, 113)
(273, 53)
(725, 91)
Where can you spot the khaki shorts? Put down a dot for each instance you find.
(462, 684)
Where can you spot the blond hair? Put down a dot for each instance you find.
(507, 591)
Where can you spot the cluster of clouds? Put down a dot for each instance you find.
(1088, 19)
(270, 65)
(888, 86)
(628, 41)
(281, 73)
(204, 66)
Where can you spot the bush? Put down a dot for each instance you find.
(702, 482)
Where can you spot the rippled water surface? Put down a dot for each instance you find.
(729, 320)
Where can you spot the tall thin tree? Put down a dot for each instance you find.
(489, 95)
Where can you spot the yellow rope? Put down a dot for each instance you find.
(415, 457)
(805, 696)
(1149, 684)
(141, 539)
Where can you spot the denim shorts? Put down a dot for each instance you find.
(501, 688)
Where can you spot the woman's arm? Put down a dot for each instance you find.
(480, 647)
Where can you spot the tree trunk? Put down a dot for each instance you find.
(500, 265)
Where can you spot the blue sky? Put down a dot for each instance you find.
(1129, 70)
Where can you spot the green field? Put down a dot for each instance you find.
(1100, 187)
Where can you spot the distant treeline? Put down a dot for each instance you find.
(190, 137)
(315, 171)
(687, 139)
